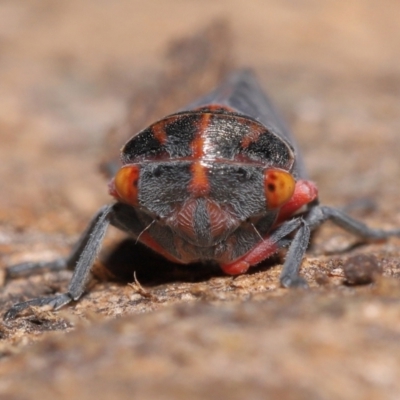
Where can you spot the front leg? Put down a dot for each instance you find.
(85, 252)
(316, 216)
(36, 267)
(290, 272)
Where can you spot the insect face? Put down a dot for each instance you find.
(202, 202)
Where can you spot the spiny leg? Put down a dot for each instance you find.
(85, 252)
(316, 216)
(290, 272)
(320, 214)
(36, 267)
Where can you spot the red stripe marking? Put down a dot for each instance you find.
(255, 130)
(199, 184)
(158, 129)
(197, 144)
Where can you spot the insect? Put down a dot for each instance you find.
(221, 181)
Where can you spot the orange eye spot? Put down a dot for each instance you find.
(126, 184)
(278, 187)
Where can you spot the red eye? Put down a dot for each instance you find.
(278, 187)
(125, 184)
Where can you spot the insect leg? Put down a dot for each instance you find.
(316, 216)
(290, 273)
(35, 267)
(69, 262)
(85, 252)
(320, 214)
